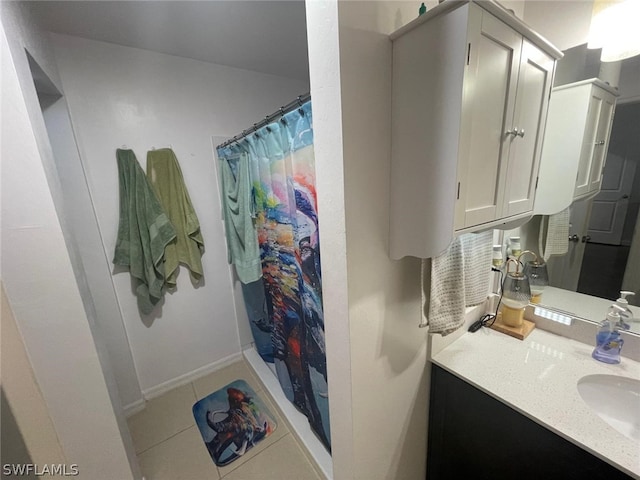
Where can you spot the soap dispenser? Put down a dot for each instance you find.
(622, 302)
(608, 340)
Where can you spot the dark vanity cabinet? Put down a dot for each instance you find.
(474, 436)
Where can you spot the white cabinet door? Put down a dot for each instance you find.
(595, 142)
(589, 147)
(491, 84)
(601, 144)
(534, 86)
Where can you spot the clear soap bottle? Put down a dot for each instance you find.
(608, 340)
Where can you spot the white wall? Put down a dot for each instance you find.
(67, 359)
(388, 351)
(565, 23)
(629, 83)
(377, 356)
(23, 395)
(120, 95)
(82, 222)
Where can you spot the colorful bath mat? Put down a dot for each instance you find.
(232, 420)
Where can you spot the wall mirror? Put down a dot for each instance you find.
(603, 255)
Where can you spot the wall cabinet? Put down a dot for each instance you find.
(473, 435)
(576, 144)
(470, 94)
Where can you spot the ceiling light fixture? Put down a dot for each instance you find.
(614, 29)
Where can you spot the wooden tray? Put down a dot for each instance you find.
(520, 332)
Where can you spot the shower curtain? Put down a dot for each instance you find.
(281, 161)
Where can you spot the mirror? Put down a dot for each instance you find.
(603, 254)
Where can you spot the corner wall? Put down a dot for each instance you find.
(377, 355)
(388, 350)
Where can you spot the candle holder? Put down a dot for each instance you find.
(516, 295)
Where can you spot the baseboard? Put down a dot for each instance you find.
(158, 390)
(298, 424)
(133, 408)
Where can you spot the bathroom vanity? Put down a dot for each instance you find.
(502, 408)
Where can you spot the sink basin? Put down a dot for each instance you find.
(615, 399)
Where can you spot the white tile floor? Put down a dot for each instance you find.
(169, 445)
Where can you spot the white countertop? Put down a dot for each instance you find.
(538, 377)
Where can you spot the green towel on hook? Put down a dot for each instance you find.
(143, 232)
(165, 175)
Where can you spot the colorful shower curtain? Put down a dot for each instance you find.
(283, 172)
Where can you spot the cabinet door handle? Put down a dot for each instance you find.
(586, 238)
(574, 238)
(601, 142)
(520, 133)
(513, 132)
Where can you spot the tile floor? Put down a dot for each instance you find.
(169, 445)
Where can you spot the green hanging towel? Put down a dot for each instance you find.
(165, 175)
(143, 232)
(237, 203)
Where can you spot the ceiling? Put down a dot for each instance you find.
(263, 36)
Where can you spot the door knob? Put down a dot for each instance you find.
(574, 238)
(586, 238)
(520, 133)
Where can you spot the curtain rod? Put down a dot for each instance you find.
(268, 119)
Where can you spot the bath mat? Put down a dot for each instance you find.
(232, 420)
